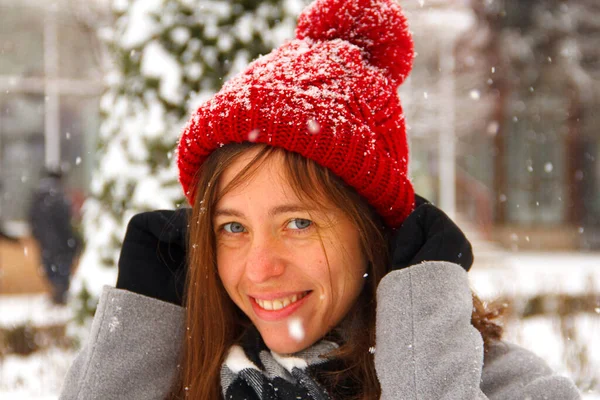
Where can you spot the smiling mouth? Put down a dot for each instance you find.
(278, 304)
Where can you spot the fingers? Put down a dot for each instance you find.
(419, 201)
(160, 225)
(138, 230)
(172, 225)
(448, 239)
(428, 234)
(167, 226)
(408, 239)
(179, 221)
(153, 258)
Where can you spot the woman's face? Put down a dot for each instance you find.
(294, 270)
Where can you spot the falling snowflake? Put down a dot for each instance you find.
(313, 126)
(475, 94)
(253, 135)
(114, 324)
(296, 329)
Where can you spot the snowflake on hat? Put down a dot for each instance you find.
(330, 95)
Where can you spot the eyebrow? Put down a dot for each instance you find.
(282, 209)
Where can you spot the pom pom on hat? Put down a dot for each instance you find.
(329, 95)
(378, 27)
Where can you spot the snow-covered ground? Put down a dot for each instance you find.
(39, 376)
(526, 274)
(34, 309)
(529, 273)
(36, 377)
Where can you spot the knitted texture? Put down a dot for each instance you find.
(252, 371)
(330, 95)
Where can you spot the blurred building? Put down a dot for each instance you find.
(50, 84)
(502, 105)
(533, 145)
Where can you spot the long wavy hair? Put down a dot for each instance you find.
(214, 323)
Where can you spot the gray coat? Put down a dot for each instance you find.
(426, 346)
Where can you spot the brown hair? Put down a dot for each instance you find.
(214, 323)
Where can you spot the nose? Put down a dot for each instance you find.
(265, 258)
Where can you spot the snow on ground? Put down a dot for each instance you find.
(527, 274)
(542, 336)
(36, 309)
(530, 273)
(36, 377)
(39, 376)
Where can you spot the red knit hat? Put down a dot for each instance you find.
(329, 95)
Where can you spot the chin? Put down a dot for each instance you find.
(285, 346)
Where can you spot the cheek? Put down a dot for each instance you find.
(350, 268)
(351, 278)
(229, 271)
(315, 267)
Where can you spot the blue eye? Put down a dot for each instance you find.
(299, 223)
(234, 227)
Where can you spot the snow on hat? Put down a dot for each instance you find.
(330, 95)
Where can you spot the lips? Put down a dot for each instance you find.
(279, 303)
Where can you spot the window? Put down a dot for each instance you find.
(50, 84)
(535, 152)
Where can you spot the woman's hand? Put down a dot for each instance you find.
(428, 234)
(153, 256)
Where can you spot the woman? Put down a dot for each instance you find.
(313, 271)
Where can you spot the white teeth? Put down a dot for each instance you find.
(278, 304)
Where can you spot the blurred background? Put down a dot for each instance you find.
(502, 107)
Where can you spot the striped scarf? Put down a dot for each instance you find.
(251, 371)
